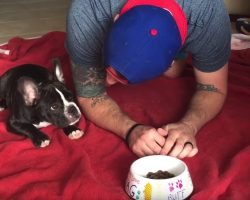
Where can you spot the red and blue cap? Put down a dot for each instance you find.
(144, 40)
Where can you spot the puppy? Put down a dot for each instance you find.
(37, 98)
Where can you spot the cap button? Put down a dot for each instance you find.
(153, 32)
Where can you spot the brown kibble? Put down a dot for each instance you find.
(159, 175)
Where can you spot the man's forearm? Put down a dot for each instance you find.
(103, 111)
(204, 106)
(96, 104)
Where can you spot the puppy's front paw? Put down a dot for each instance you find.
(76, 134)
(41, 140)
(73, 132)
(2, 104)
(45, 143)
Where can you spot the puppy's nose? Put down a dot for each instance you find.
(73, 112)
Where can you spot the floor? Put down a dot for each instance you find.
(31, 18)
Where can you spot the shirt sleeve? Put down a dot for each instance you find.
(209, 39)
(86, 30)
(216, 48)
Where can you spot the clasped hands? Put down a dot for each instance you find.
(176, 139)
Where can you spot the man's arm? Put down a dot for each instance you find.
(211, 92)
(104, 112)
(205, 104)
(99, 108)
(94, 101)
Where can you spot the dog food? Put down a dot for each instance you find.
(159, 175)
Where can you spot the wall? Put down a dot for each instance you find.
(238, 6)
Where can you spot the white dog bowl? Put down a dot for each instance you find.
(141, 188)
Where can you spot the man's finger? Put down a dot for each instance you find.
(163, 132)
(147, 150)
(168, 146)
(193, 152)
(187, 149)
(177, 149)
(155, 146)
(159, 138)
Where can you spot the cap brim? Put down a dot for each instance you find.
(112, 73)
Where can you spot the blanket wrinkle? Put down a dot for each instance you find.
(95, 166)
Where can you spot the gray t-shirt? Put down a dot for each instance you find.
(89, 21)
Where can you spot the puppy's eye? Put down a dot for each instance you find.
(54, 107)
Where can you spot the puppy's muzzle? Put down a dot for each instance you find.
(73, 114)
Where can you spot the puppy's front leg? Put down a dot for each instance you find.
(73, 132)
(38, 138)
(2, 104)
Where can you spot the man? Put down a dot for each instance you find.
(108, 36)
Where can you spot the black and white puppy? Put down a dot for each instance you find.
(37, 98)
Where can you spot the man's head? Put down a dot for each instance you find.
(144, 40)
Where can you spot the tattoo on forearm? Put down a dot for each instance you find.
(89, 81)
(98, 100)
(88, 76)
(207, 87)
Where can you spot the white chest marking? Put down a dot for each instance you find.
(42, 124)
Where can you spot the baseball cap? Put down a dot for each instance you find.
(145, 38)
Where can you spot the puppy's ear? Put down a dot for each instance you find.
(29, 90)
(58, 72)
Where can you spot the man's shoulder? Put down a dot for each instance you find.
(209, 33)
(104, 7)
(200, 12)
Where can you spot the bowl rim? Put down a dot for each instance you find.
(133, 173)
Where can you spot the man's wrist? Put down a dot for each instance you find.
(191, 126)
(130, 130)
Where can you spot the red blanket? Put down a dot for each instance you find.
(95, 167)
